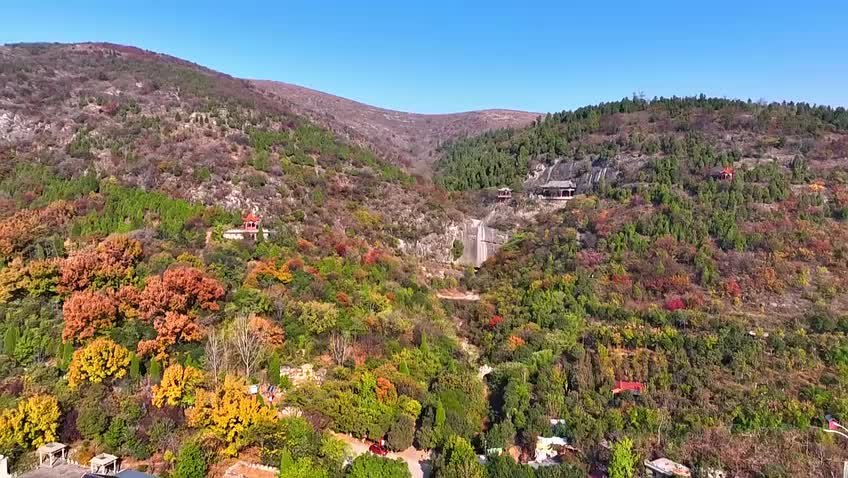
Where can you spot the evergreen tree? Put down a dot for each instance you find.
(154, 371)
(10, 340)
(274, 369)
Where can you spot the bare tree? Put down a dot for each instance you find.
(216, 354)
(246, 343)
(340, 346)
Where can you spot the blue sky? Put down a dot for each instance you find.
(443, 56)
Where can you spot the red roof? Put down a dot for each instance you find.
(727, 170)
(250, 217)
(624, 386)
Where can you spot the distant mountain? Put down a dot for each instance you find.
(410, 139)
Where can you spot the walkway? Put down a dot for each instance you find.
(411, 456)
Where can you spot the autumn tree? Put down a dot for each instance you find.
(18, 231)
(33, 423)
(87, 312)
(177, 386)
(98, 361)
(228, 413)
(109, 263)
(171, 328)
(181, 290)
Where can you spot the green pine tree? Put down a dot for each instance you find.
(274, 369)
(154, 371)
(10, 340)
(135, 367)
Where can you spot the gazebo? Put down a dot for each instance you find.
(51, 453)
(102, 464)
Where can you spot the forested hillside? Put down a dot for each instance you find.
(710, 271)
(637, 130)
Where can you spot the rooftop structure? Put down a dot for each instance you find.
(665, 468)
(560, 190)
(635, 388)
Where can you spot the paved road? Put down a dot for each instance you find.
(411, 456)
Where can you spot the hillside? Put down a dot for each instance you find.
(160, 123)
(706, 262)
(409, 139)
(690, 302)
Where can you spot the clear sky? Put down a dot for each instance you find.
(454, 55)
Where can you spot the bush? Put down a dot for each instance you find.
(190, 462)
(401, 433)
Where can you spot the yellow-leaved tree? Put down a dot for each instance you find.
(178, 386)
(101, 359)
(33, 423)
(229, 413)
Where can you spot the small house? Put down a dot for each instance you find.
(723, 174)
(504, 194)
(665, 468)
(635, 388)
(558, 190)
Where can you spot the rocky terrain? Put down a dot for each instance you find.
(409, 139)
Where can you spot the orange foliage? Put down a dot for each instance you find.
(514, 342)
(17, 231)
(109, 262)
(385, 390)
(770, 279)
(179, 290)
(268, 270)
(87, 312)
(270, 333)
(732, 288)
(170, 329)
(372, 256)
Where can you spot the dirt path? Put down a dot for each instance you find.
(411, 456)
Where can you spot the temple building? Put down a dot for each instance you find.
(249, 230)
(561, 190)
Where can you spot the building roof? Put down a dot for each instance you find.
(668, 467)
(622, 386)
(51, 447)
(250, 217)
(559, 184)
(103, 459)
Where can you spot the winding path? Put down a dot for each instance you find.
(414, 458)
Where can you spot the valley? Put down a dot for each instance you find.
(199, 270)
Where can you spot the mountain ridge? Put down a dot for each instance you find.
(405, 137)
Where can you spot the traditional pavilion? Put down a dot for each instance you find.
(504, 194)
(249, 230)
(559, 190)
(723, 174)
(104, 464)
(50, 453)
